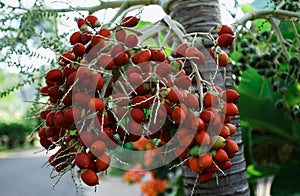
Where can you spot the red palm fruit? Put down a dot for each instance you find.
(103, 162)
(54, 75)
(67, 70)
(96, 104)
(109, 132)
(97, 41)
(83, 73)
(73, 114)
(137, 114)
(142, 57)
(121, 59)
(51, 131)
(82, 25)
(225, 132)
(135, 128)
(79, 49)
(178, 115)
(222, 59)
(182, 132)
(98, 147)
(180, 51)
(135, 79)
(230, 95)
(116, 49)
(67, 99)
(198, 125)
(41, 133)
(157, 55)
(210, 100)
(187, 141)
(44, 113)
(223, 29)
(98, 80)
(232, 128)
(121, 99)
(75, 38)
(220, 156)
(104, 33)
(191, 100)
(82, 98)
(107, 62)
(66, 58)
(46, 143)
(139, 102)
(207, 116)
(59, 120)
(174, 95)
(99, 122)
(86, 36)
(230, 109)
(44, 91)
(231, 147)
(130, 21)
(132, 69)
(225, 40)
(183, 82)
(202, 138)
(90, 178)
(194, 165)
(82, 160)
(226, 165)
(86, 138)
(181, 152)
(205, 177)
(120, 35)
(205, 160)
(227, 119)
(195, 55)
(163, 69)
(212, 169)
(131, 40)
(49, 119)
(92, 21)
(55, 92)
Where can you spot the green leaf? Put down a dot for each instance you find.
(256, 172)
(286, 182)
(73, 132)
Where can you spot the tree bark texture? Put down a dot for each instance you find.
(201, 16)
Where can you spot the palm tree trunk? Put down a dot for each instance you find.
(201, 16)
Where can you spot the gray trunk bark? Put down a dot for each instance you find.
(201, 16)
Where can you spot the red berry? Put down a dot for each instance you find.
(103, 162)
(104, 33)
(90, 178)
(220, 156)
(97, 80)
(230, 109)
(231, 147)
(107, 62)
(202, 138)
(92, 21)
(131, 40)
(83, 73)
(205, 160)
(224, 29)
(178, 115)
(120, 35)
(225, 40)
(163, 69)
(157, 55)
(205, 177)
(82, 160)
(86, 138)
(130, 21)
(54, 75)
(81, 23)
(194, 165)
(137, 114)
(135, 79)
(195, 55)
(98, 147)
(180, 51)
(79, 49)
(230, 95)
(121, 59)
(96, 104)
(75, 38)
